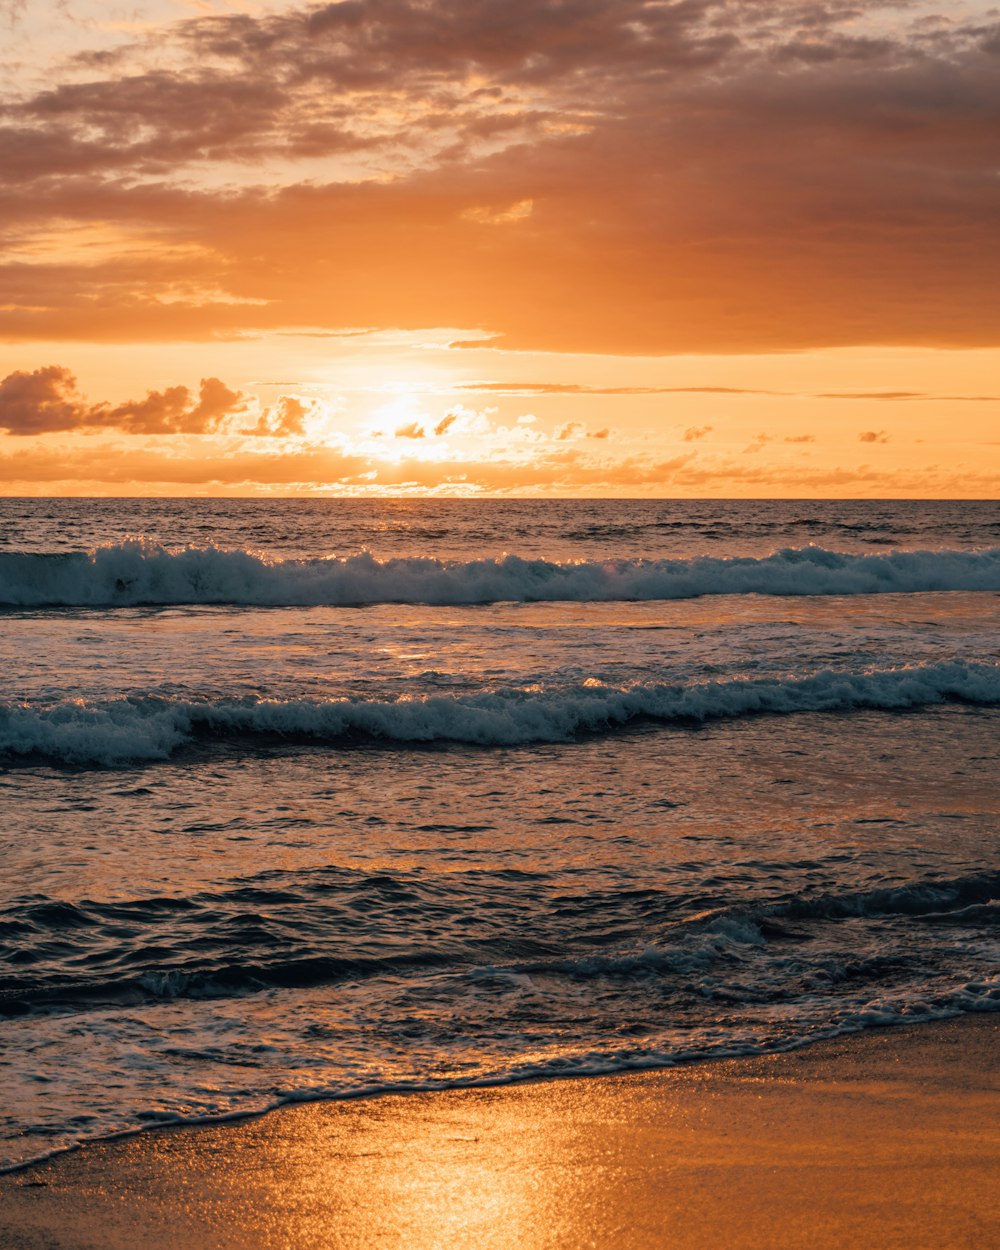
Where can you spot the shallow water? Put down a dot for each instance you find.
(264, 843)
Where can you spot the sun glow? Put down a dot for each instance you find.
(401, 416)
(646, 254)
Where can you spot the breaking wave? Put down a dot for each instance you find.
(140, 573)
(152, 727)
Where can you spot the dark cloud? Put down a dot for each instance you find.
(39, 402)
(148, 120)
(177, 411)
(839, 48)
(873, 436)
(990, 39)
(49, 400)
(310, 81)
(702, 175)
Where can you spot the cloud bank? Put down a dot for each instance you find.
(579, 175)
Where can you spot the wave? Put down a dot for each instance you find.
(682, 947)
(20, 994)
(973, 997)
(138, 573)
(152, 727)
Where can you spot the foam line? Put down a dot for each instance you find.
(138, 573)
(121, 730)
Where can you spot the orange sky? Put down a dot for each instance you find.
(570, 247)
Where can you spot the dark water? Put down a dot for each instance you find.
(546, 787)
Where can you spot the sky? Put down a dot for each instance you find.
(659, 248)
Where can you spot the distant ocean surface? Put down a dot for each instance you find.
(323, 798)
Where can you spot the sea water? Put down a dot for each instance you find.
(320, 798)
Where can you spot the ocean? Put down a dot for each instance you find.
(321, 798)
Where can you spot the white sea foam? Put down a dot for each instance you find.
(122, 1046)
(138, 572)
(116, 731)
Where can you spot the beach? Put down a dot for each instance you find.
(882, 1139)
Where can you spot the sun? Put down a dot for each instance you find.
(403, 411)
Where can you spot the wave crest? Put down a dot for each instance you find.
(141, 573)
(153, 727)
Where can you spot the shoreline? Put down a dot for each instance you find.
(486, 1083)
(885, 1137)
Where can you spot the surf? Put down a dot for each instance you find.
(141, 573)
(148, 727)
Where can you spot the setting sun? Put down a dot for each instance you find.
(750, 242)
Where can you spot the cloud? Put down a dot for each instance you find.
(758, 442)
(39, 402)
(897, 396)
(574, 388)
(97, 467)
(885, 395)
(120, 468)
(285, 418)
(568, 432)
(174, 411)
(500, 216)
(340, 78)
(695, 432)
(48, 400)
(445, 424)
(11, 11)
(368, 165)
(873, 436)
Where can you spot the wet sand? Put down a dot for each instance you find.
(882, 1140)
